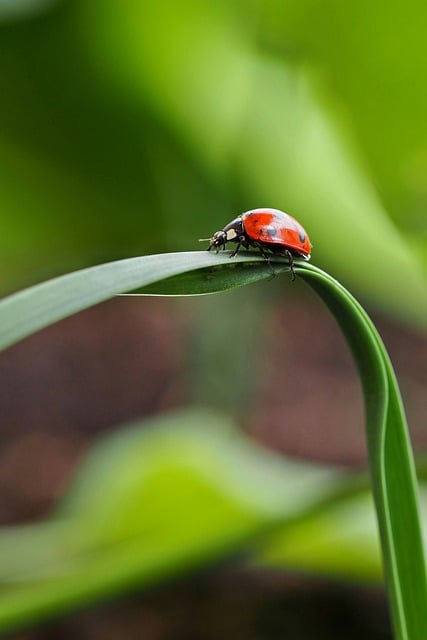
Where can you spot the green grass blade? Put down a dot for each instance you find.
(391, 461)
(27, 311)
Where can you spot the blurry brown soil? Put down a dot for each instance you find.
(69, 383)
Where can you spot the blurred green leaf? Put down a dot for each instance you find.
(268, 120)
(82, 172)
(14, 9)
(147, 504)
(381, 84)
(338, 539)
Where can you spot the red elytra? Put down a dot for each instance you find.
(266, 230)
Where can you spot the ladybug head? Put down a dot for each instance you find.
(218, 240)
(232, 232)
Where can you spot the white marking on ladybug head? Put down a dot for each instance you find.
(231, 234)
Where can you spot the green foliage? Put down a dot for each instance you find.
(152, 501)
(160, 112)
(146, 128)
(147, 505)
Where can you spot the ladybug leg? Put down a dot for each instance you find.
(265, 256)
(291, 263)
(240, 240)
(236, 251)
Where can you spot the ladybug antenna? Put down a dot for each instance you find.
(205, 239)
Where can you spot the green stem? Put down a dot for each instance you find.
(390, 458)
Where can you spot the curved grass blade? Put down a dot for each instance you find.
(27, 311)
(391, 460)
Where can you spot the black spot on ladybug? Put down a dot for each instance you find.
(302, 236)
(269, 231)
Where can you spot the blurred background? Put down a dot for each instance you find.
(138, 127)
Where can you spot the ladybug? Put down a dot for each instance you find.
(266, 230)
